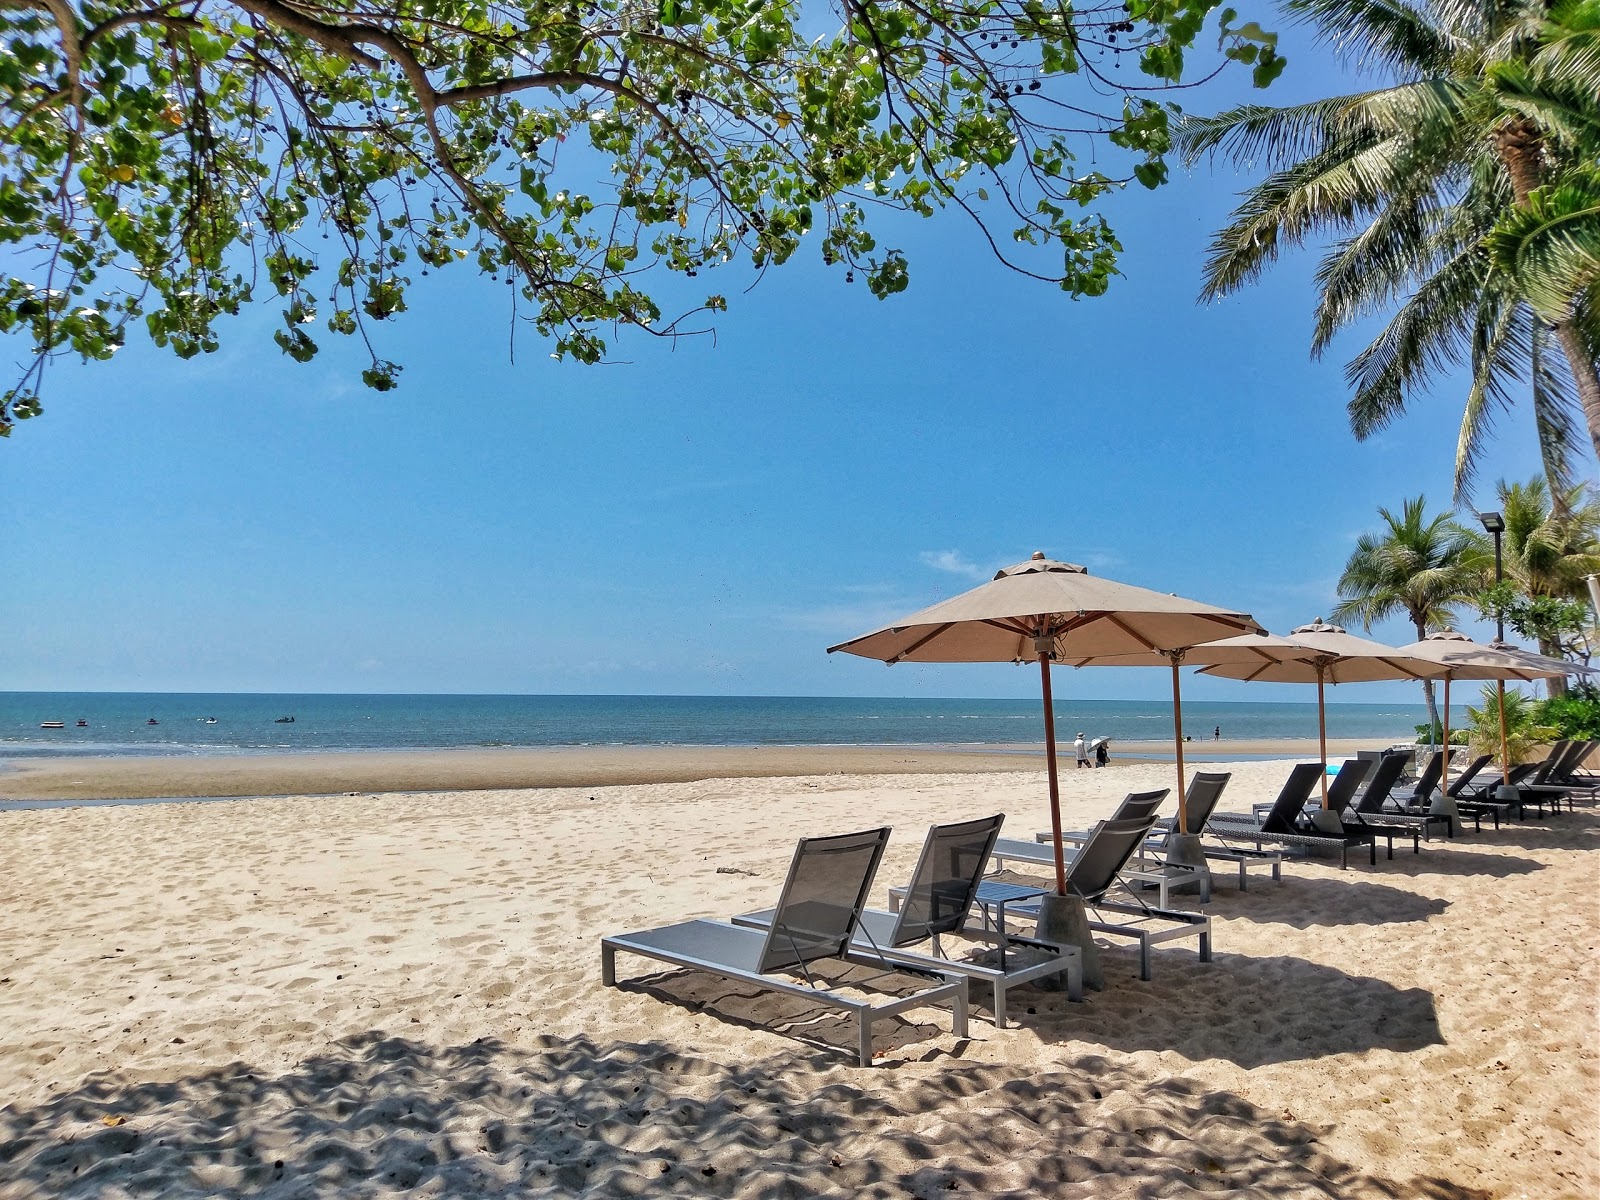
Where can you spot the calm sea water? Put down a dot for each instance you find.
(118, 722)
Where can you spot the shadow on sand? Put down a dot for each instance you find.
(1305, 901)
(380, 1116)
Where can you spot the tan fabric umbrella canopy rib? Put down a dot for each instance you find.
(1335, 657)
(1047, 610)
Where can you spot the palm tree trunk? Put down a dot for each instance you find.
(1427, 686)
(1586, 373)
(1556, 685)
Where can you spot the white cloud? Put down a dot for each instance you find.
(951, 561)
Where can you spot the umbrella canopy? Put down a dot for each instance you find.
(1047, 610)
(1215, 653)
(1463, 658)
(1335, 657)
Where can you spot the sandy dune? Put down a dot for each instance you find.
(373, 995)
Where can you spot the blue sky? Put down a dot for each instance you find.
(707, 519)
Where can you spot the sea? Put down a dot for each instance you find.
(125, 723)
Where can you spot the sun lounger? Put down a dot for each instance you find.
(1546, 783)
(1144, 867)
(1199, 802)
(1376, 813)
(939, 902)
(1099, 865)
(1482, 799)
(822, 897)
(1278, 827)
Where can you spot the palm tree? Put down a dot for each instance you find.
(1492, 109)
(1523, 732)
(1418, 565)
(1550, 549)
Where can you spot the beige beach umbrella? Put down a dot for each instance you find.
(1214, 653)
(1463, 658)
(1337, 657)
(1047, 611)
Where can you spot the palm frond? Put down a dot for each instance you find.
(1376, 33)
(1555, 411)
(1551, 244)
(1425, 337)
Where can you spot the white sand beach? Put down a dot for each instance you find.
(379, 995)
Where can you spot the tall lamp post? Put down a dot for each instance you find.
(1495, 524)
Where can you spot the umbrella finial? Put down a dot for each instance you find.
(1038, 556)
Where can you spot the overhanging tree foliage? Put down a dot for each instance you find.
(166, 163)
(1461, 194)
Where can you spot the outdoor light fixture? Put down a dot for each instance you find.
(1493, 522)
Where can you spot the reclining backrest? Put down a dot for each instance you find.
(1543, 770)
(1343, 788)
(1136, 804)
(1296, 791)
(946, 879)
(1431, 774)
(1111, 844)
(1462, 781)
(1205, 790)
(1382, 781)
(822, 897)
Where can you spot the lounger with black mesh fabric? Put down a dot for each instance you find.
(1099, 866)
(1375, 815)
(823, 895)
(1142, 868)
(1199, 802)
(1277, 827)
(937, 903)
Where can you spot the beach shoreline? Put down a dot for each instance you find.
(327, 772)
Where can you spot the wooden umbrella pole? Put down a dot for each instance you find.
(1177, 741)
(1050, 769)
(1444, 779)
(1322, 734)
(1505, 746)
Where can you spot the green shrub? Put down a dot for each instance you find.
(1431, 734)
(1572, 716)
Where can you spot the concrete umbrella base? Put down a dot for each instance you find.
(1184, 850)
(1064, 921)
(1446, 805)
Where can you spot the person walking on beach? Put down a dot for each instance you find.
(1216, 734)
(1082, 747)
(1101, 754)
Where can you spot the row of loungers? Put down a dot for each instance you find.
(822, 912)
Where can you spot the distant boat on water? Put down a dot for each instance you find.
(284, 721)
(52, 724)
(206, 720)
(152, 721)
(82, 724)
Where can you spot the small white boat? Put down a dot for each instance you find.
(52, 724)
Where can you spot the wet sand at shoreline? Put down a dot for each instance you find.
(499, 768)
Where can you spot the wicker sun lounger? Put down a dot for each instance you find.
(939, 902)
(1377, 814)
(1277, 826)
(1099, 866)
(817, 910)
